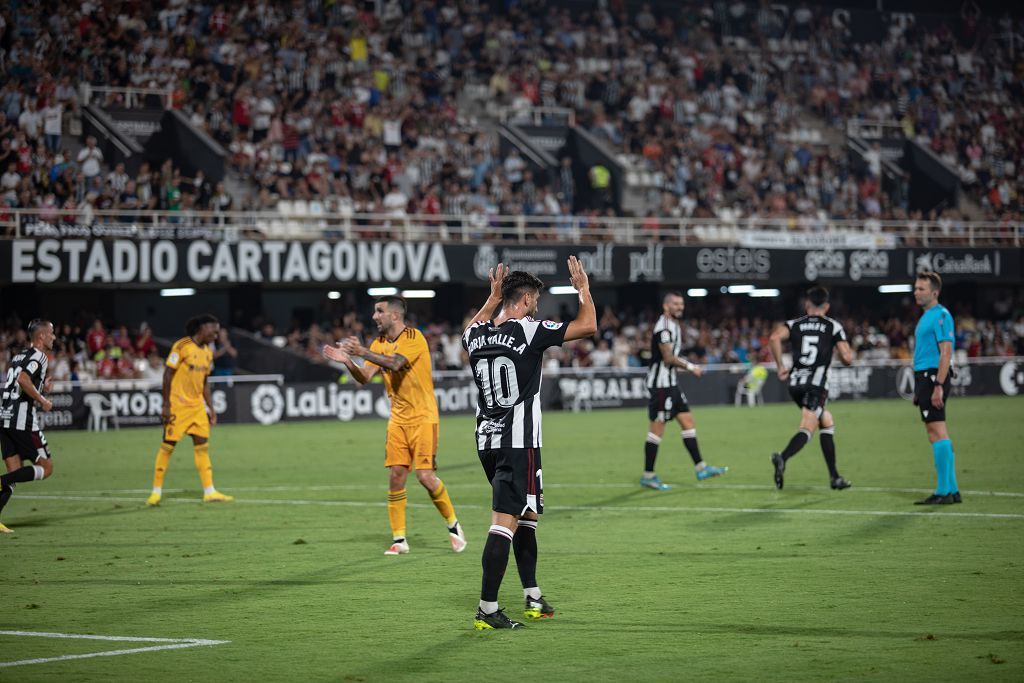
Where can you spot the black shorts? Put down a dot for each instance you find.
(516, 481)
(28, 445)
(810, 397)
(666, 403)
(924, 385)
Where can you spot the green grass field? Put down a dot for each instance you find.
(726, 580)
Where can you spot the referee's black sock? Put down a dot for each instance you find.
(524, 545)
(828, 449)
(494, 561)
(26, 473)
(798, 441)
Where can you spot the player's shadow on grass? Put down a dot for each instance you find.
(46, 520)
(746, 520)
(810, 632)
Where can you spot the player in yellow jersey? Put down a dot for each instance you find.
(188, 408)
(401, 354)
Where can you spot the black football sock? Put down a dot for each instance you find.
(798, 441)
(690, 441)
(494, 561)
(828, 449)
(651, 451)
(5, 495)
(26, 473)
(524, 545)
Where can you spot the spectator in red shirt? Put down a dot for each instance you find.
(95, 337)
(144, 343)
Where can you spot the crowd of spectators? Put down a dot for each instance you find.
(98, 352)
(356, 107)
(720, 334)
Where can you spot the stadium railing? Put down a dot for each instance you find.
(317, 221)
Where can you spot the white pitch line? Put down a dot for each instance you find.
(562, 485)
(571, 508)
(169, 644)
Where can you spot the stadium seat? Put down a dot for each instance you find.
(751, 386)
(100, 409)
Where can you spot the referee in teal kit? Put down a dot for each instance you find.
(933, 353)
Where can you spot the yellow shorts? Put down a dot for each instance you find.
(414, 446)
(193, 421)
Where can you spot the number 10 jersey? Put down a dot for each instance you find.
(507, 360)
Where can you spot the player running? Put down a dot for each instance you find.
(814, 336)
(21, 399)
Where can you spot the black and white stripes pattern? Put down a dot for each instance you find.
(17, 410)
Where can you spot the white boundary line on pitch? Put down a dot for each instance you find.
(559, 485)
(168, 644)
(573, 508)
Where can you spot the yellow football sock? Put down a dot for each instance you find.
(443, 503)
(204, 467)
(163, 458)
(396, 512)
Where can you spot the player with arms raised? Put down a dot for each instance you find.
(814, 336)
(506, 355)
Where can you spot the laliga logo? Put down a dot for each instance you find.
(267, 404)
(905, 382)
(485, 259)
(1011, 377)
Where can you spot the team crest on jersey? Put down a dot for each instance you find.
(551, 325)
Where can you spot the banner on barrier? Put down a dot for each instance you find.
(124, 260)
(271, 403)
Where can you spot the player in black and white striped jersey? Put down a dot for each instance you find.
(506, 352)
(813, 337)
(667, 400)
(21, 399)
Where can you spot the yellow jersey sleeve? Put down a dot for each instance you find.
(411, 344)
(178, 353)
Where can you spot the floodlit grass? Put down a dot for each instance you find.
(725, 580)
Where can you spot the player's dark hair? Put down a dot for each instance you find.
(516, 284)
(193, 324)
(394, 302)
(933, 278)
(672, 293)
(818, 296)
(37, 326)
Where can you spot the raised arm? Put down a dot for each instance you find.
(585, 324)
(490, 307)
(779, 335)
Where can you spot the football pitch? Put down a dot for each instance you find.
(724, 580)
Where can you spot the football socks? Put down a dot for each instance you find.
(494, 562)
(163, 459)
(397, 502)
(443, 503)
(524, 545)
(798, 441)
(690, 441)
(203, 466)
(828, 449)
(651, 451)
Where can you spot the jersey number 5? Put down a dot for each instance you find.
(808, 350)
(497, 379)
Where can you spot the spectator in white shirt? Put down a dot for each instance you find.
(53, 117)
(30, 120)
(89, 159)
